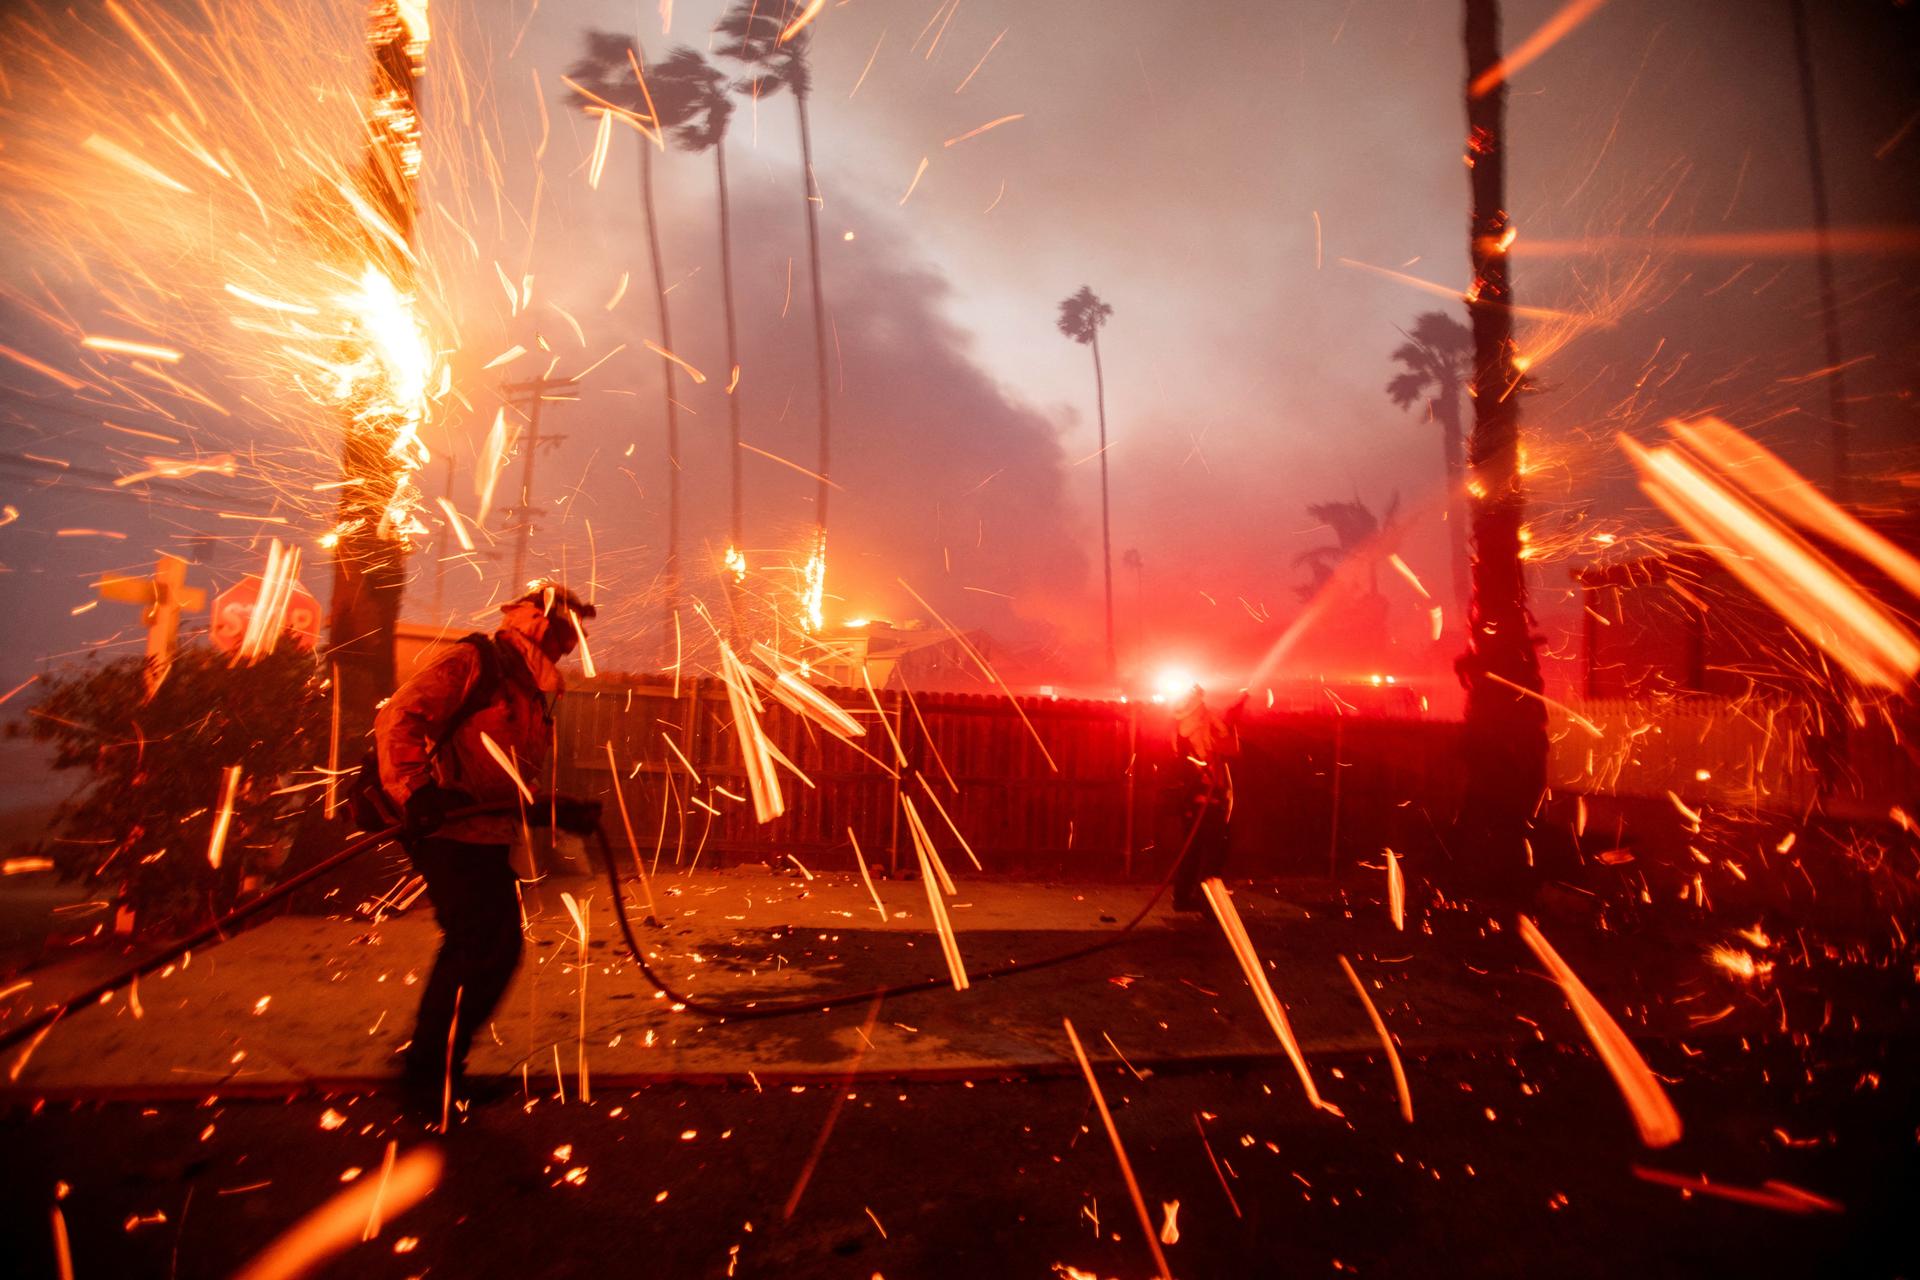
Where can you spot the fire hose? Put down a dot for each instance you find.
(220, 930)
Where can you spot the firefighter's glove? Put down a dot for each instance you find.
(429, 807)
(576, 816)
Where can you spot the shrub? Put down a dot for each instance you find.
(156, 768)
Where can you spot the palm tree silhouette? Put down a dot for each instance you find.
(609, 70)
(689, 89)
(1355, 530)
(1081, 316)
(1438, 360)
(758, 37)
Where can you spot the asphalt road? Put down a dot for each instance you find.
(1518, 1163)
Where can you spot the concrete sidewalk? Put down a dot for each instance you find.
(301, 1002)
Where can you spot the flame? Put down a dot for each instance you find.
(814, 593)
(229, 170)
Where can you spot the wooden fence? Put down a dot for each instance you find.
(1060, 787)
(1050, 786)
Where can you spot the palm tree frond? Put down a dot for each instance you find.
(1407, 388)
(1082, 315)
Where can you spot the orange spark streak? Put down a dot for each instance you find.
(339, 1222)
(862, 80)
(916, 180)
(44, 370)
(951, 826)
(1441, 290)
(1787, 242)
(602, 143)
(62, 1250)
(668, 355)
(991, 124)
(126, 22)
(493, 459)
(658, 135)
(796, 466)
(1771, 1194)
(455, 523)
(805, 16)
(810, 702)
(269, 616)
(918, 828)
(1236, 931)
(1779, 486)
(983, 59)
(500, 758)
(1551, 32)
(229, 786)
(1812, 594)
(1561, 707)
(1653, 1112)
(930, 868)
(1396, 892)
(762, 781)
(620, 799)
(109, 150)
(1120, 1153)
(1401, 567)
(1386, 1041)
(866, 878)
(966, 646)
(691, 771)
(579, 911)
(126, 347)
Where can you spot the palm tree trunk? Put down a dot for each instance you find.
(666, 369)
(1446, 408)
(819, 322)
(735, 534)
(1106, 527)
(369, 560)
(1505, 748)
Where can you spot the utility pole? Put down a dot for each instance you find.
(1838, 425)
(530, 395)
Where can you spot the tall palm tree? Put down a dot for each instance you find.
(1081, 316)
(1506, 720)
(1438, 362)
(755, 32)
(607, 72)
(688, 88)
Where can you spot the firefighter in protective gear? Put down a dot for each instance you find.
(1203, 743)
(432, 737)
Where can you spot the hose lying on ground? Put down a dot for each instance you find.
(220, 930)
(816, 1004)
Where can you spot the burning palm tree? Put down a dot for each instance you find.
(383, 375)
(1081, 317)
(1506, 720)
(1437, 360)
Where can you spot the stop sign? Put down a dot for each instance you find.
(233, 610)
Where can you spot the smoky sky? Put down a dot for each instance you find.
(1212, 170)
